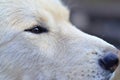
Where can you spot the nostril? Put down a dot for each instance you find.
(109, 61)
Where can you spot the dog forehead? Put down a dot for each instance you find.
(54, 7)
(19, 9)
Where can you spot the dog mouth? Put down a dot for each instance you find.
(109, 76)
(106, 75)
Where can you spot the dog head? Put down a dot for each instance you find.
(37, 41)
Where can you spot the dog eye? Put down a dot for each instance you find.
(37, 29)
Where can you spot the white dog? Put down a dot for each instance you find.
(38, 42)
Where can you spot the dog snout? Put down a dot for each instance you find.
(109, 61)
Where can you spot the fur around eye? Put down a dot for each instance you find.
(37, 29)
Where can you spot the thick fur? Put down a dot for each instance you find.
(63, 53)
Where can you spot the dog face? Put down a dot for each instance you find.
(37, 42)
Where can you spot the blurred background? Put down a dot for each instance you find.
(97, 17)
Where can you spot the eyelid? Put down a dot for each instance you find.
(40, 29)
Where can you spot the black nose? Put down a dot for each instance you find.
(109, 61)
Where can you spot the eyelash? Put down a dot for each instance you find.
(37, 29)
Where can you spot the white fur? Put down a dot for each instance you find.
(64, 53)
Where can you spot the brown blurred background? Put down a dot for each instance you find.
(97, 17)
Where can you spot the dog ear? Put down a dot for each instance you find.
(116, 74)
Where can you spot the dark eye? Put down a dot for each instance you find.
(37, 29)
